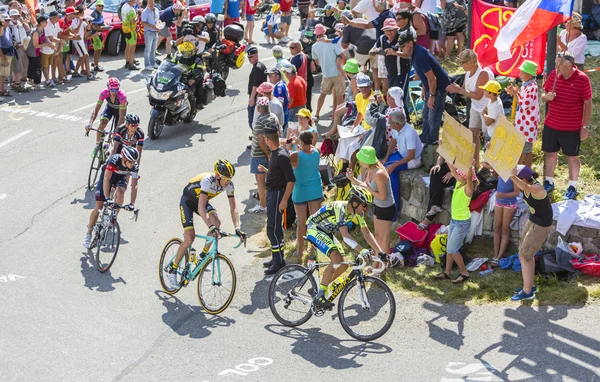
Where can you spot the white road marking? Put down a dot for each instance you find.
(9, 140)
(2, 196)
(94, 103)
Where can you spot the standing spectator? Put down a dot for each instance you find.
(286, 18)
(308, 188)
(280, 184)
(233, 10)
(306, 124)
(280, 91)
(280, 61)
(577, 40)
(297, 91)
(48, 52)
(6, 53)
(257, 76)
(527, 117)
(454, 23)
(67, 36)
(535, 231)
(19, 31)
(475, 76)
(173, 15)
(568, 92)
(362, 39)
(79, 26)
(251, 7)
(129, 17)
(325, 55)
(303, 9)
(218, 7)
(404, 21)
(376, 179)
(260, 153)
(266, 90)
(427, 5)
(97, 27)
(421, 25)
(304, 67)
(434, 80)
(494, 109)
(37, 42)
(150, 17)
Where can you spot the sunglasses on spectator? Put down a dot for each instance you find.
(399, 18)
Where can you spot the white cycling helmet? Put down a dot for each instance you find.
(130, 153)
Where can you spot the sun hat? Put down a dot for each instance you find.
(275, 7)
(14, 12)
(492, 87)
(69, 10)
(524, 172)
(262, 101)
(363, 81)
(99, 2)
(265, 87)
(529, 67)
(390, 24)
(567, 56)
(339, 27)
(273, 71)
(367, 155)
(576, 21)
(351, 66)
(404, 37)
(320, 29)
(304, 113)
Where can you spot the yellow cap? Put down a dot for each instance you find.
(304, 113)
(492, 87)
(275, 8)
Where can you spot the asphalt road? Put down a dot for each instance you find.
(61, 320)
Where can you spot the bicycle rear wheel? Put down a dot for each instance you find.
(289, 297)
(216, 285)
(108, 246)
(95, 166)
(168, 254)
(367, 310)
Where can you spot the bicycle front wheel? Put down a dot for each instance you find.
(108, 246)
(290, 296)
(367, 309)
(95, 167)
(216, 284)
(167, 256)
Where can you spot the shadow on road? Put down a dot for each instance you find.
(186, 320)
(543, 348)
(179, 136)
(324, 350)
(452, 313)
(94, 280)
(89, 200)
(258, 297)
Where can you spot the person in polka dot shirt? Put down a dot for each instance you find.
(528, 112)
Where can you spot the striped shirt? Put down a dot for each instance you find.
(565, 112)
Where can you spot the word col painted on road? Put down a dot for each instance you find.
(456, 145)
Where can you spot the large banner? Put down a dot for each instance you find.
(487, 20)
(456, 145)
(505, 148)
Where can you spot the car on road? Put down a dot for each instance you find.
(113, 37)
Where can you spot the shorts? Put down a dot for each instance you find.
(255, 161)
(382, 70)
(165, 32)
(80, 48)
(324, 242)
(457, 232)
(307, 201)
(17, 64)
(511, 206)
(130, 38)
(187, 208)
(476, 120)
(554, 140)
(532, 239)
(97, 43)
(361, 58)
(231, 20)
(109, 112)
(336, 84)
(45, 60)
(116, 180)
(5, 69)
(385, 213)
(457, 31)
(528, 148)
(286, 19)
(250, 17)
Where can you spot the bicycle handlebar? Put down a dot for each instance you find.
(103, 132)
(210, 239)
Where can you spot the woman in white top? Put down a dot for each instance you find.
(475, 76)
(577, 40)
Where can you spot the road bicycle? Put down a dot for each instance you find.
(217, 281)
(101, 153)
(366, 308)
(106, 235)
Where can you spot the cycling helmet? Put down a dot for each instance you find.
(113, 83)
(187, 30)
(360, 195)
(396, 259)
(132, 119)
(130, 153)
(177, 6)
(199, 19)
(211, 18)
(224, 168)
(186, 49)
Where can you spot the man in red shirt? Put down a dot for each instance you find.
(286, 18)
(568, 92)
(297, 92)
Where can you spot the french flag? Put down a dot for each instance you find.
(529, 21)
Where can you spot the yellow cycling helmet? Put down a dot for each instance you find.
(186, 49)
(275, 7)
(224, 168)
(361, 195)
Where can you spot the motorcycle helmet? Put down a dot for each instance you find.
(224, 168)
(360, 195)
(129, 153)
(211, 18)
(113, 83)
(199, 19)
(186, 49)
(187, 30)
(132, 119)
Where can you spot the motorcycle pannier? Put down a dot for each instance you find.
(234, 32)
(219, 85)
(230, 47)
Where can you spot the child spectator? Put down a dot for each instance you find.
(79, 26)
(528, 112)
(494, 109)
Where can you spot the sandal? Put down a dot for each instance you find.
(5, 93)
(424, 224)
(460, 279)
(442, 276)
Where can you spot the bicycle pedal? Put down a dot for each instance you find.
(186, 282)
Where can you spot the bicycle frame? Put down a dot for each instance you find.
(190, 274)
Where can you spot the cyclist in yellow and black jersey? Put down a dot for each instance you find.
(334, 217)
(195, 199)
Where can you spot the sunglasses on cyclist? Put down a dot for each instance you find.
(133, 125)
(113, 90)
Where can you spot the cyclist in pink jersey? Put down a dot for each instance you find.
(116, 106)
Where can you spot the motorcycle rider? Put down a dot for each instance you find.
(212, 29)
(194, 33)
(193, 78)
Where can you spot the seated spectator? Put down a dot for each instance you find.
(351, 69)
(573, 39)
(377, 116)
(440, 178)
(362, 101)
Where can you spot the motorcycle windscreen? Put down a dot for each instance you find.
(168, 75)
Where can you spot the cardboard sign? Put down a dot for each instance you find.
(505, 149)
(456, 145)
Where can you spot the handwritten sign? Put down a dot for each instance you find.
(456, 146)
(505, 148)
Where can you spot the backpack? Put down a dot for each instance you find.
(119, 11)
(435, 24)
(406, 249)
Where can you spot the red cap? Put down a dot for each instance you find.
(405, 1)
(69, 10)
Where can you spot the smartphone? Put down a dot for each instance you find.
(289, 140)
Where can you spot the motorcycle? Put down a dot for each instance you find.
(228, 53)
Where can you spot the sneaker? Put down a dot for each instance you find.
(155, 66)
(38, 87)
(257, 209)
(549, 187)
(98, 68)
(77, 75)
(50, 84)
(148, 68)
(172, 277)
(285, 39)
(518, 290)
(523, 296)
(571, 193)
(322, 303)
(87, 240)
(133, 67)
(68, 78)
(136, 62)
